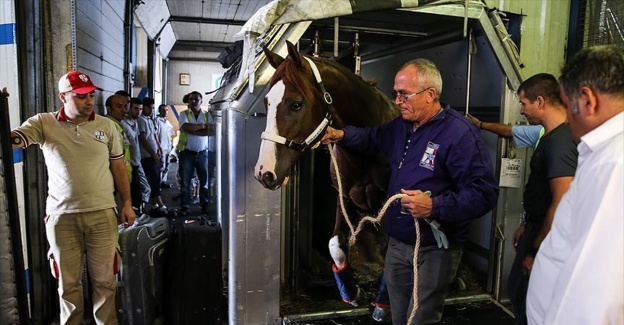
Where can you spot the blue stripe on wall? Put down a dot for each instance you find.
(175, 112)
(7, 34)
(143, 93)
(17, 156)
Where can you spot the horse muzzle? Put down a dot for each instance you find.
(269, 180)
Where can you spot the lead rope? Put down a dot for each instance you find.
(377, 220)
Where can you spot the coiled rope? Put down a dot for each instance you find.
(377, 220)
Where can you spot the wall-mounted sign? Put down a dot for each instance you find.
(185, 79)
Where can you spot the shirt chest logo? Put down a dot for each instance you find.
(99, 135)
(428, 158)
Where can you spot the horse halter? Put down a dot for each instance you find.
(308, 143)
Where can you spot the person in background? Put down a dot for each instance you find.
(523, 135)
(212, 162)
(195, 127)
(127, 96)
(151, 153)
(552, 169)
(165, 133)
(116, 109)
(139, 187)
(439, 161)
(84, 159)
(578, 274)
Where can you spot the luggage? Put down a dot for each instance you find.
(195, 275)
(141, 278)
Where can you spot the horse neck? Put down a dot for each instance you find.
(357, 103)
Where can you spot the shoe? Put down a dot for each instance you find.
(184, 212)
(195, 199)
(165, 185)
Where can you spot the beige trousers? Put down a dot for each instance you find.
(71, 236)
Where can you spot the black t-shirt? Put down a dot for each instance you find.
(555, 156)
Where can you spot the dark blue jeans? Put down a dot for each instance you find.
(518, 283)
(437, 268)
(189, 163)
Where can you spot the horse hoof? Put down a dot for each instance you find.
(355, 300)
(380, 314)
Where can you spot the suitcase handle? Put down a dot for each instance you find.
(159, 228)
(202, 221)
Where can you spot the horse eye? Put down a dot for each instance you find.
(296, 106)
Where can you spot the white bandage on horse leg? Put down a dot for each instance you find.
(336, 252)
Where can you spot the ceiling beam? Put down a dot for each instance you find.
(201, 20)
(181, 45)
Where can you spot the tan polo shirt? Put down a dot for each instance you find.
(77, 159)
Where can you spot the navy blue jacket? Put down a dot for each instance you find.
(446, 156)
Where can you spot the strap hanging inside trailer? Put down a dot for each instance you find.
(8, 176)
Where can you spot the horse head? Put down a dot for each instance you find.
(298, 112)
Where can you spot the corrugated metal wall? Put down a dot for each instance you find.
(95, 37)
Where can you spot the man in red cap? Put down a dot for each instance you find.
(84, 159)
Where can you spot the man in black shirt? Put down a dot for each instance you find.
(552, 169)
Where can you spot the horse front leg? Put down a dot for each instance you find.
(343, 274)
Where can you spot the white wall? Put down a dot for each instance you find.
(203, 76)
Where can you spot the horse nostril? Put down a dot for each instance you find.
(268, 180)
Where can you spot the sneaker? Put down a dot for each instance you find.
(165, 185)
(184, 212)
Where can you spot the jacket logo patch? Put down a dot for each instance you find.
(428, 158)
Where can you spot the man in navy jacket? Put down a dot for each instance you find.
(439, 160)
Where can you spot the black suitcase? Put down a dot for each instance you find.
(196, 288)
(141, 278)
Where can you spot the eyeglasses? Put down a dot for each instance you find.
(404, 97)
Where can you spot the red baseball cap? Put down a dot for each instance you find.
(76, 82)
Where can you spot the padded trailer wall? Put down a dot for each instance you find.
(255, 226)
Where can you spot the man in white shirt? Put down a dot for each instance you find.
(578, 274)
(165, 133)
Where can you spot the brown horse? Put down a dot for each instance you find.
(307, 94)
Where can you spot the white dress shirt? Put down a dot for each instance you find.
(578, 275)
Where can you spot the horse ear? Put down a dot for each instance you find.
(294, 54)
(274, 59)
